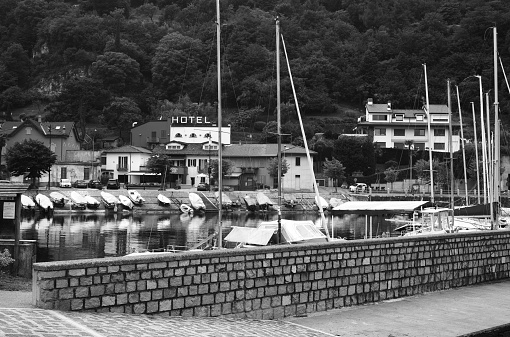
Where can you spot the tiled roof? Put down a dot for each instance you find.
(9, 126)
(238, 150)
(128, 149)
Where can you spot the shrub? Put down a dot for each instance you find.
(5, 258)
(259, 126)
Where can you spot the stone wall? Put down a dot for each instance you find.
(273, 282)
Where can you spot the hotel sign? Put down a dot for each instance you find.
(189, 120)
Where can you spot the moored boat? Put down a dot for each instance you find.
(78, 200)
(27, 202)
(196, 202)
(92, 202)
(263, 201)
(225, 199)
(44, 202)
(163, 200)
(126, 202)
(109, 200)
(185, 208)
(58, 199)
(135, 197)
(321, 203)
(251, 203)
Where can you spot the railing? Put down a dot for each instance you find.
(122, 168)
(152, 140)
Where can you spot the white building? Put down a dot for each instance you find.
(391, 128)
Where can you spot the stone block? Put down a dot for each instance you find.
(139, 308)
(77, 304)
(81, 292)
(66, 293)
(93, 302)
(134, 298)
(77, 272)
(145, 275)
(107, 301)
(178, 303)
(152, 307)
(128, 267)
(42, 275)
(165, 305)
(86, 281)
(97, 290)
(122, 299)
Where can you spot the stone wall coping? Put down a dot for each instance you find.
(187, 255)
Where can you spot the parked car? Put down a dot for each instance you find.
(203, 187)
(80, 184)
(65, 183)
(113, 184)
(358, 187)
(95, 184)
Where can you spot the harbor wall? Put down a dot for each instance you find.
(276, 281)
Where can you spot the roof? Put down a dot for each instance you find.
(237, 150)
(55, 129)
(9, 126)
(128, 149)
(383, 108)
(378, 207)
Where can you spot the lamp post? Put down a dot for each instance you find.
(92, 156)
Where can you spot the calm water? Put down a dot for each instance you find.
(82, 236)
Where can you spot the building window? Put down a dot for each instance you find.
(379, 117)
(439, 146)
(123, 163)
(419, 118)
(193, 135)
(153, 135)
(439, 132)
(419, 132)
(379, 132)
(103, 161)
(86, 173)
(163, 134)
(380, 145)
(399, 118)
(298, 161)
(419, 146)
(192, 162)
(440, 119)
(178, 135)
(399, 145)
(29, 131)
(63, 172)
(207, 135)
(399, 132)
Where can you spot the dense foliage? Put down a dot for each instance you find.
(119, 61)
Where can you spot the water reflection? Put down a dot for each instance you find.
(82, 236)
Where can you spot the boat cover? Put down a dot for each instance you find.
(252, 236)
(296, 231)
(378, 207)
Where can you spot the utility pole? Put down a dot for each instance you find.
(49, 171)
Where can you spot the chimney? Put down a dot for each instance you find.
(370, 101)
(39, 119)
(389, 106)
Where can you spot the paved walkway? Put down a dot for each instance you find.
(452, 312)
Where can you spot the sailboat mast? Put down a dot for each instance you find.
(484, 147)
(450, 146)
(476, 153)
(430, 135)
(314, 182)
(497, 150)
(463, 146)
(279, 128)
(490, 170)
(220, 183)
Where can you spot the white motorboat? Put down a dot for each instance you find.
(225, 200)
(321, 203)
(334, 202)
(110, 201)
(196, 202)
(135, 197)
(251, 203)
(92, 202)
(27, 202)
(164, 200)
(58, 199)
(263, 201)
(78, 200)
(186, 209)
(126, 202)
(44, 202)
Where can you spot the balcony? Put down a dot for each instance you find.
(122, 168)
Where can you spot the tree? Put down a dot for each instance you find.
(391, 175)
(226, 168)
(272, 167)
(160, 164)
(118, 72)
(121, 113)
(31, 158)
(335, 170)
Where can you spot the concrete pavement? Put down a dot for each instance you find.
(454, 312)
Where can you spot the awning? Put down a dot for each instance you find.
(234, 175)
(378, 207)
(142, 174)
(251, 236)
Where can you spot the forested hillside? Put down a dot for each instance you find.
(114, 62)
